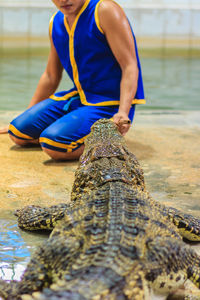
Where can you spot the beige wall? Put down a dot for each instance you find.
(156, 23)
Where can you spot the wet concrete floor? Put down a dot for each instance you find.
(166, 144)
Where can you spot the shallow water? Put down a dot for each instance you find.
(170, 83)
(16, 247)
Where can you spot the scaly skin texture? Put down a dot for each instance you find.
(113, 242)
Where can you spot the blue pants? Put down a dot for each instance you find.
(60, 125)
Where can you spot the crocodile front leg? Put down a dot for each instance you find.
(39, 218)
(188, 226)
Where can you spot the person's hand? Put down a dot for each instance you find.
(4, 130)
(122, 121)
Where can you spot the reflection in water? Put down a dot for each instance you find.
(170, 82)
(11, 271)
(15, 249)
(21, 88)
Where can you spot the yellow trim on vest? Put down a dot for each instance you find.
(65, 97)
(96, 16)
(104, 103)
(116, 102)
(71, 53)
(16, 132)
(51, 24)
(69, 147)
(66, 25)
(75, 67)
(139, 101)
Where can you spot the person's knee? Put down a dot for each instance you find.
(50, 137)
(53, 154)
(57, 155)
(17, 141)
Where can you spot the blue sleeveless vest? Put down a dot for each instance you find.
(87, 58)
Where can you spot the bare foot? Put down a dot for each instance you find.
(4, 130)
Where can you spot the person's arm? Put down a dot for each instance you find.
(48, 82)
(116, 28)
(50, 79)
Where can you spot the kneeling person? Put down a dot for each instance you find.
(94, 42)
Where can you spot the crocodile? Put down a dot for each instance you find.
(113, 241)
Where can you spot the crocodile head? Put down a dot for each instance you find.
(104, 140)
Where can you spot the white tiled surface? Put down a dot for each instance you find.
(150, 18)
